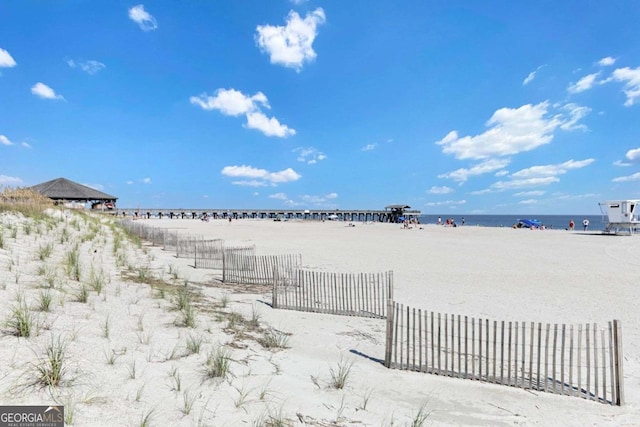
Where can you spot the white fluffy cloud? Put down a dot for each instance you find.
(531, 76)
(511, 131)
(259, 177)
(609, 60)
(291, 45)
(146, 180)
(514, 130)
(89, 67)
(5, 141)
(231, 102)
(450, 203)
(44, 91)
(629, 178)
(462, 175)
(631, 79)
(309, 155)
(144, 19)
(440, 190)
(323, 200)
(532, 193)
(633, 154)
(279, 196)
(583, 84)
(268, 126)
(552, 170)
(6, 60)
(523, 183)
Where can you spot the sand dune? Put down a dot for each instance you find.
(131, 353)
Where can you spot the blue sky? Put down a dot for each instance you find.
(449, 107)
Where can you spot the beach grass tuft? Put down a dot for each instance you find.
(217, 364)
(340, 374)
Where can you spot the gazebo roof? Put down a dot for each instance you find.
(64, 189)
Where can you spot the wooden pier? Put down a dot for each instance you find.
(385, 215)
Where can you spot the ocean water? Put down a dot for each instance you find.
(560, 222)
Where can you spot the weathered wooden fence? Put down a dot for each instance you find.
(583, 361)
(349, 294)
(211, 253)
(258, 269)
(191, 246)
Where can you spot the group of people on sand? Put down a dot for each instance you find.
(585, 224)
(449, 222)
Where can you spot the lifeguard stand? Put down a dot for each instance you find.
(621, 215)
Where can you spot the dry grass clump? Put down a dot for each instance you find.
(25, 201)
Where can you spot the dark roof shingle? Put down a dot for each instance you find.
(64, 189)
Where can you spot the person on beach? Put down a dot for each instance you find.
(571, 225)
(585, 224)
(439, 221)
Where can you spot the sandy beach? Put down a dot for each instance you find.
(130, 348)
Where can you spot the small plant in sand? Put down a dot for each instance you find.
(194, 343)
(188, 401)
(175, 379)
(20, 322)
(217, 363)
(147, 418)
(274, 339)
(224, 301)
(187, 317)
(72, 263)
(45, 298)
(421, 416)
(106, 327)
(51, 370)
(45, 251)
(132, 370)
(2, 244)
(64, 236)
(340, 374)
(13, 232)
(96, 280)
(254, 322)
(82, 294)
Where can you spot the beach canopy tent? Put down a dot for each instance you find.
(62, 191)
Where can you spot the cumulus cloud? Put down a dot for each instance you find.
(5, 141)
(552, 170)
(144, 19)
(440, 190)
(146, 180)
(514, 130)
(511, 131)
(369, 147)
(89, 67)
(6, 60)
(268, 126)
(633, 154)
(309, 155)
(291, 45)
(532, 193)
(631, 79)
(447, 203)
(44, 91)
(462, 175)
(629, 178)
(10, 180)
(259, 177)
(523, 183)
(583, 84)
(606, 61)
(231, 102)
(576, 113)
(531, 76)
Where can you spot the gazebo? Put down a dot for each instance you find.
(62, 190)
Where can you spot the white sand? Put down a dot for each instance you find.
(501, 274)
